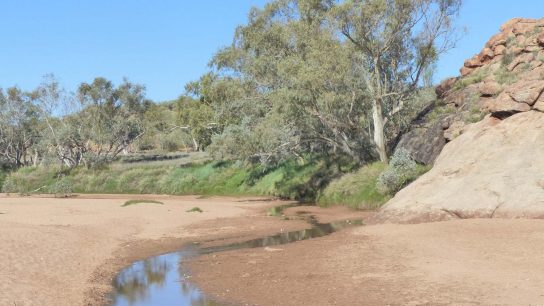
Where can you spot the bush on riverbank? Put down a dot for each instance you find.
(357, 190)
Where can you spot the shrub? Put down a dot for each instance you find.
(503, 76)
(357, 189)
(62, 188)
(507, 58)
(401, 171)
(9, 185)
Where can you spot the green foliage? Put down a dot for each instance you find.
(196, 119)
(285, 87)
(2, 178)
(195, 209)
(357, 190)
(401, 171)
(162, 133)
(140, 201)
(19, 127)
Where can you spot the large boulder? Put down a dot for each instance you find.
(495, 169)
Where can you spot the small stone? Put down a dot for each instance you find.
(490, 88)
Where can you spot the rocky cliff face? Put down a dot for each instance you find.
(492, 167)
(505, 78)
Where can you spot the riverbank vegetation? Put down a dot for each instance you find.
(306, 92)
(298, 180)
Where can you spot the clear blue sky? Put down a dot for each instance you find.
(166, 43)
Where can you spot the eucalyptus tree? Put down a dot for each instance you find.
(19, 128)
(110, 119)
(289, 78)
(397, 42)
(196, 119)
(58, 110)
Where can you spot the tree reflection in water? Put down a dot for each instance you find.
(135, 282)
(156, 281)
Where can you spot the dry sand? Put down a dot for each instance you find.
(462, 262)
(66, 251)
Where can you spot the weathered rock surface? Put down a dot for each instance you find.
(444, 87)
(505, 103)
(424, 142)
(495, 169)
(526, 91)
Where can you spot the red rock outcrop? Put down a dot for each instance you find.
(492, 167)
(512, 61)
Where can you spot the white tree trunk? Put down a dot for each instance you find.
(195, 144)
(379, 135)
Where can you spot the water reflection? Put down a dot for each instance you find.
(158, 281)
(317, 230)
(162, 280)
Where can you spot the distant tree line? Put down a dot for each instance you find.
(92, 126)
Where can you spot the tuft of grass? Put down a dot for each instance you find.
(507, 58)
(473, 78)
(505, 77)
(195, 209)
(141, 201)
(440, 111)
(357, 190)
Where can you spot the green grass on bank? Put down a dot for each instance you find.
(357, 190)
(315, 180)
(2, 178)
(292, 179)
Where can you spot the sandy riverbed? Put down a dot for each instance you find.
(462, 262)
(66, 251)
